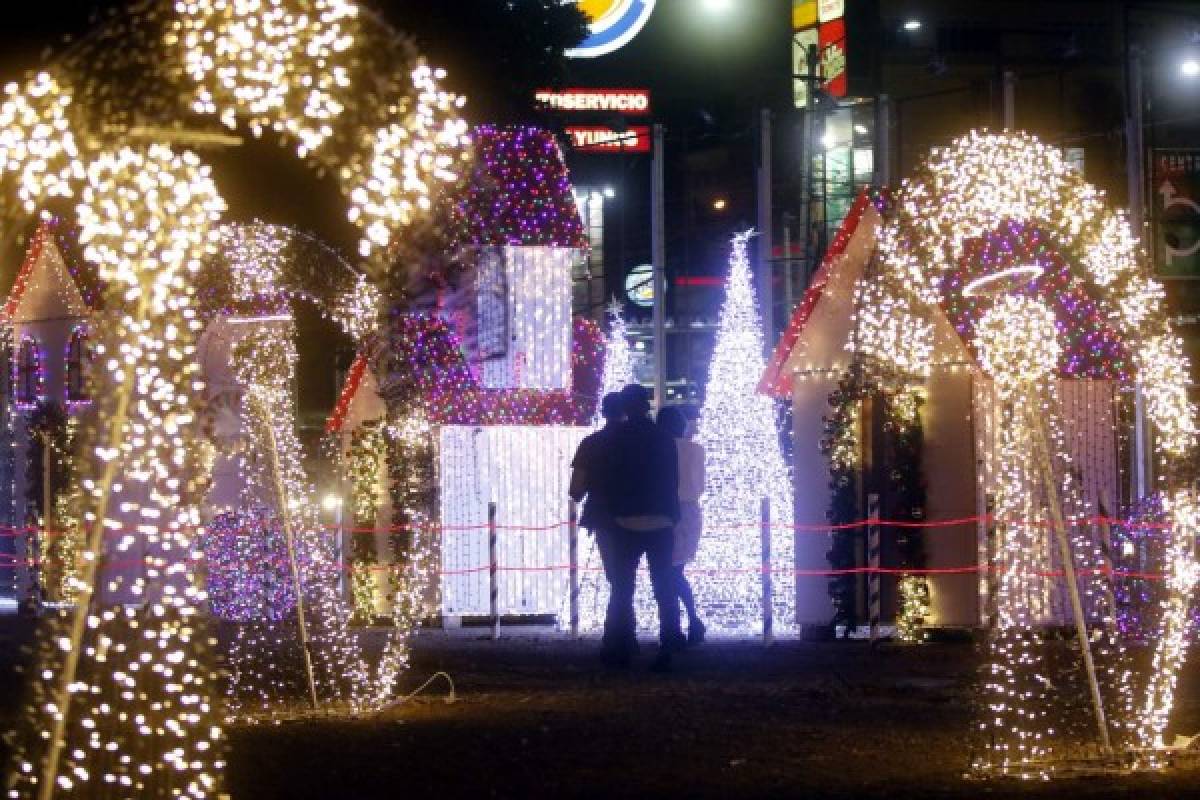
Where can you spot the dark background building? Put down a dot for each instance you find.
(919, 74)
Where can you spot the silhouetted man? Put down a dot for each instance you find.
(645, 502)
(591, 476)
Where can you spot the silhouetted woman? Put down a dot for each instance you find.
(687, 531)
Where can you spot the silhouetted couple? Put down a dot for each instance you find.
(642, 483)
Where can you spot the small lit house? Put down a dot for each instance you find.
(958, 460)
(490, 360)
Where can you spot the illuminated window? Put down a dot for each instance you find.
(78, 355)
(30, 383)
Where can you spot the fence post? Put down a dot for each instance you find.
(493, 571)
(873, 577)
(573, 550)
(768, 610)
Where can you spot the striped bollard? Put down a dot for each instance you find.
(573, 551)
(493, 572)
(768, 610)
(873, 599)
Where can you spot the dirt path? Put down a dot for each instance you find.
(538, 718)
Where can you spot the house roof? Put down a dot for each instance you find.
(518, 193)
(354, 379)
(52, 250)
(775, 381)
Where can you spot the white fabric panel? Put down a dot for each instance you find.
(537, 354)
(1087, 414)
(525, 470)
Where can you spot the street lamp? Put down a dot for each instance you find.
(1190, 68)
(912, 25)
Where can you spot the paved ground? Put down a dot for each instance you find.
(535, 717)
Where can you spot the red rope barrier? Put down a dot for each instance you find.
(811, 573)
(11, 531)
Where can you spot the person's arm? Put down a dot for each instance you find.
(578, 487)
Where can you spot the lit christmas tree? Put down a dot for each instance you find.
(743, 464)
(618, 361)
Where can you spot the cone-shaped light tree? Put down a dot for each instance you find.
(744, 464)
(618, 360)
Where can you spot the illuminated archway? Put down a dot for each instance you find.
(104, 130)
(964, 193)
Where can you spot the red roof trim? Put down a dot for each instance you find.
(45, 230)
(774, 382)
(354, 378)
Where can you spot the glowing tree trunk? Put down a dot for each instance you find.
(1020, 349)
(743, 464)
(123, 702)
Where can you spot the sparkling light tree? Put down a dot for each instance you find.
(744, 464)
(618, 360)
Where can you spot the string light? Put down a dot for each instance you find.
(120, 684)
(117, 683)
(970, 213)
(743, 464)
(618, 358)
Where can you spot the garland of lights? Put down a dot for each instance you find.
(368, 452)
(1140, 547)
(973, 203)
(100, 716)
(59, 549)
(900, 410)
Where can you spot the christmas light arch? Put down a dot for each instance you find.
(965, 193)
(354, 99)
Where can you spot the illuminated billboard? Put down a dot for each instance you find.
(613, 24)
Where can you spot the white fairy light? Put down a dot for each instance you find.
(743, 464)
(618, 358)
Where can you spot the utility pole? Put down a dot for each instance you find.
(1010, 100)
(658, 256)
(789, 291)
(1134, 141)
(807, 136)
(1134, 155)
(767, 296)
(883, 141)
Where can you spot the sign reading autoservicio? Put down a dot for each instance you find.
(620, 101)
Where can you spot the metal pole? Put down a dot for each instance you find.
(768, 610)
(767, 296)
(493, 571)
(788, 288)
(658, 256)
(883, 141)
(873, 577)
(285, 517)
(1045, 468)
(806, 165)
(573, 552)
(1134, 141)
(1010, 100)
(1141, 449)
